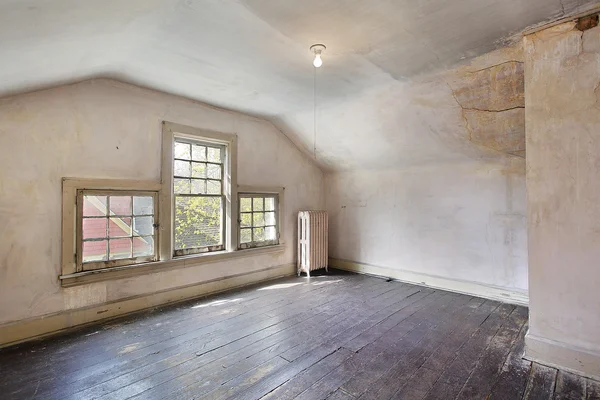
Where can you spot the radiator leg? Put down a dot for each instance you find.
(308, 272)
(326, 269)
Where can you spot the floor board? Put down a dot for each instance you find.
(335, 336)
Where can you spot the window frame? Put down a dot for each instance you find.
(254, 244)
(96, 265)
(228, 141)
(262, 191)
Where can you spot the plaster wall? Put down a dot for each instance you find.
(562, 76)
(463, 221)
(107, 129)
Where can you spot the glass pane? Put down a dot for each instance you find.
(214, 155)
(198, 170)
(246, 220)
(182, 168)
(143, 205)
(94, 251)
(269, 204)
(246, 204)
(259, 234)
(119, 227)
(198, 186)
(258, 219)
(214, 171)
(198, 153)
(257, 204)
(213, 187)
(270, 218)
(120, 248)
(270, 233)
(143, 246)
(181, 186)
(197, 222)
(94, 206)
(182, 150)
(94, 228)
(246, 236)
(120, 205)
(143, 226)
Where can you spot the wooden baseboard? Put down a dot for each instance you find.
(35, 328)
(562, 356)
(505, 295)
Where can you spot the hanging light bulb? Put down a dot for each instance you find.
(317, 50)
(318, 61)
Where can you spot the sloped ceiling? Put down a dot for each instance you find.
(383, 100)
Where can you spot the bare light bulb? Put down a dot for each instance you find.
(318, 61)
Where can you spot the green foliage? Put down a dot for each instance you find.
(197, 222)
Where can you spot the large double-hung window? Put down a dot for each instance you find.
(198, 174)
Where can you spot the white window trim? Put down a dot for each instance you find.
(166, 203)
(277, 190)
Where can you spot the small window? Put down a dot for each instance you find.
(115, 228)
(258, 220)
(198, 171)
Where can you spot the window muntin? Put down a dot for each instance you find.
(115, 228)
(199, 200)
(258, 220)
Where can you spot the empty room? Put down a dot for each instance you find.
(334, 199)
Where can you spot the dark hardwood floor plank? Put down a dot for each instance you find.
(489, 366)
(541, 383)
(569, 386)
(593, 389)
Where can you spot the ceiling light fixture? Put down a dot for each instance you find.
(317, 50)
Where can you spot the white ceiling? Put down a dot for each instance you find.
(252, 56)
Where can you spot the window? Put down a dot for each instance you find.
(115, 228)
(199, 198)
(258, 220)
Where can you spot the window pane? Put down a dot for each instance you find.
(258, 219)
(182, 168)
(214, 155)
(143, 205)
(198, 153)
(198, 186)
(213, 187)
(94, 228)
(270, 233)
(197, 222)
(143, 246)
(120, 248)
(214, 171)
(181, 186)
(143, 226)
(269, 204)
(94, 251)
(246, 204)
(119, 227)
(246, 220)
(120, 205)
(246, 236)
(94, 206)
(259, 234)
(257, 203)
(199, 170)
(270, 218)
(182, 150)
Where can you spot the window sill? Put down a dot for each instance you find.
(82, 278)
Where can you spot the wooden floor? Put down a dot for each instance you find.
(339, 336)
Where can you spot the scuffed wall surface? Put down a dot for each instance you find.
(460, 220)
(107, 129)
(448, 198)
(563, 155)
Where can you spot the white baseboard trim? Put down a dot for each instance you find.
(37, 327)
(505, 295)
(562, 356)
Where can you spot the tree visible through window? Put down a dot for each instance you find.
(199, 200)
